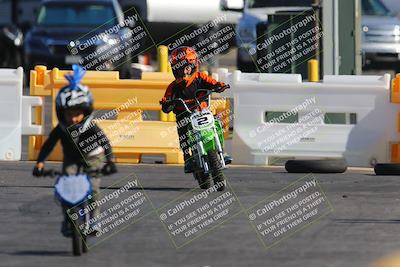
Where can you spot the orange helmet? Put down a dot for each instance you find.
(182, 57)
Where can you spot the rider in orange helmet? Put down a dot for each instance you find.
(184, 62)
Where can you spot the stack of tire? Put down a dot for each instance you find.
(316, 166)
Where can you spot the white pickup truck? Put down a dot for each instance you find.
(165, 18)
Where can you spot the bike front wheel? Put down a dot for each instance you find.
(216, 169)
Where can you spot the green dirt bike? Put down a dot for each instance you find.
(206, 142)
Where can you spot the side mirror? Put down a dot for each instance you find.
(232, 5)
(131, 24)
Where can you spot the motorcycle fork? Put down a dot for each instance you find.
(85, 221)
(201, 154)
(219, 147)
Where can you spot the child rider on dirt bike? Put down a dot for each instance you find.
(184, 64)
(74, 107)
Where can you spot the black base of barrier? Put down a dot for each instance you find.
(387, 169)
(316, 166)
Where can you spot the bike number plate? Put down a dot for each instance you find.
(202, 121)
(73, 189)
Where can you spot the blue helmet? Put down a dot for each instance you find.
(74, 96)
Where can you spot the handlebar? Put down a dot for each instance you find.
(53, 173)
(196, 98)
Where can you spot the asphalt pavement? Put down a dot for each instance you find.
(353, 221)
(360, 222)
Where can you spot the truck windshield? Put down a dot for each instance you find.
(374, 8)
(69, 14)
(278, 3)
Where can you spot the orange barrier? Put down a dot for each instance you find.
(395, 98)
(395, 94)
(395, 153)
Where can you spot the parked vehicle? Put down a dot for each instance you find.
(60, 22)
(165, 19)
(256, 11)
(381, 34)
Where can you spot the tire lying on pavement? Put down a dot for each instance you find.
(316, 166)
(387, 169)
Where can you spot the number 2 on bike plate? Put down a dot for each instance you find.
(202, 120)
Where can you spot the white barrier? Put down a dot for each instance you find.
(363, 100)
(15, 114)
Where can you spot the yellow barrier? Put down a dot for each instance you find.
(145, 140)
(109, 98)
(43, 80)
(313, 70)
(390, 260)
(158, 76)
(130, 98)
(36, 142)
(146, 94)
(127, 147)
(163, 58)
(163, 65)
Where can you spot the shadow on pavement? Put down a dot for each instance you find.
(365, 221)
(113, 188)
(41, 253)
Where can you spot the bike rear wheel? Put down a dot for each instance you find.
(84, 233)
(76, 240)
(85, 248)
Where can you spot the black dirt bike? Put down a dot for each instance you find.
(74, 192)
